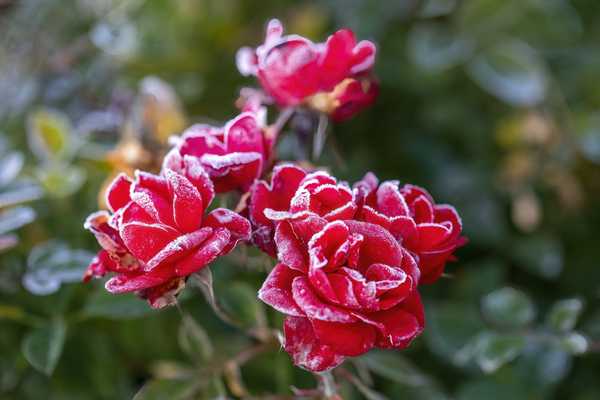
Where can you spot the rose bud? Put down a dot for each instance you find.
(332, 77)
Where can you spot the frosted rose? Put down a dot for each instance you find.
(292, 190)
(233, 155)
(345, 286)
(333, 77)
(158, 233)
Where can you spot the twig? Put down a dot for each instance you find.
(320, 136)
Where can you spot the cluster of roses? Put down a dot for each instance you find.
(350, 259)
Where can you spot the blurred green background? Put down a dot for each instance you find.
(494, 105)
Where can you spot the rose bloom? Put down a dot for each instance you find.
(333, 77)
(233, 155)
(346, 286)
(430, 231)
(158, 233)
(293, 189)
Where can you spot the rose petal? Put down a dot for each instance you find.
(117, 193)
(313, 307)
(179, 248)
(305, 349)
(276, 291)
(345, 339)
(238, 226)
(210, 249)
(188, 207)
(289, 249)
(145, 240)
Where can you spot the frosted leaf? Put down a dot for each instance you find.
(53, 263)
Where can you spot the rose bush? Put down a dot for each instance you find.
(158, 233)
(333, 77)
(349, 259)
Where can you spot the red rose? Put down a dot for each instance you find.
(329, 76)
(158, 233)
(293, 191)
(431, 232)
(233, 156)
(345, 286)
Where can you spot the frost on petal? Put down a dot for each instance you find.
(152, 195)
(389, 200)
(363, 56)
(210, 249)
(107, 236)
(290, 250)
(187, 206)
(117, 193)
(145, 240)
(399, 328)
(179, 248)
(133, 282)
(314, 307)
(246, 61)
(400, 325)
(276, 291)
(329, 246)
(238, 226)
(99, 266)
(305, 349)
(192, 169)
(243, 134)
(431, 235)
(379, 245)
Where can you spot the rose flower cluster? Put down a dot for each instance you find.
(350, 259)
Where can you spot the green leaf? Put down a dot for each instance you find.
(52, 263)
(539, 255)
(15, 218)
(239, 300)
(491, 390)
(161, 389)
(574, 343)
(563, 315)
(492, 350)
(434, 48)
(194, 340)
(508, 307)
(49, 134)
(61, 180)
(395, 367)
(19, 192)
(42, 347)
(450, 327)
(214, 390)
(10, 166)
(512, 72)
(122, 306)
